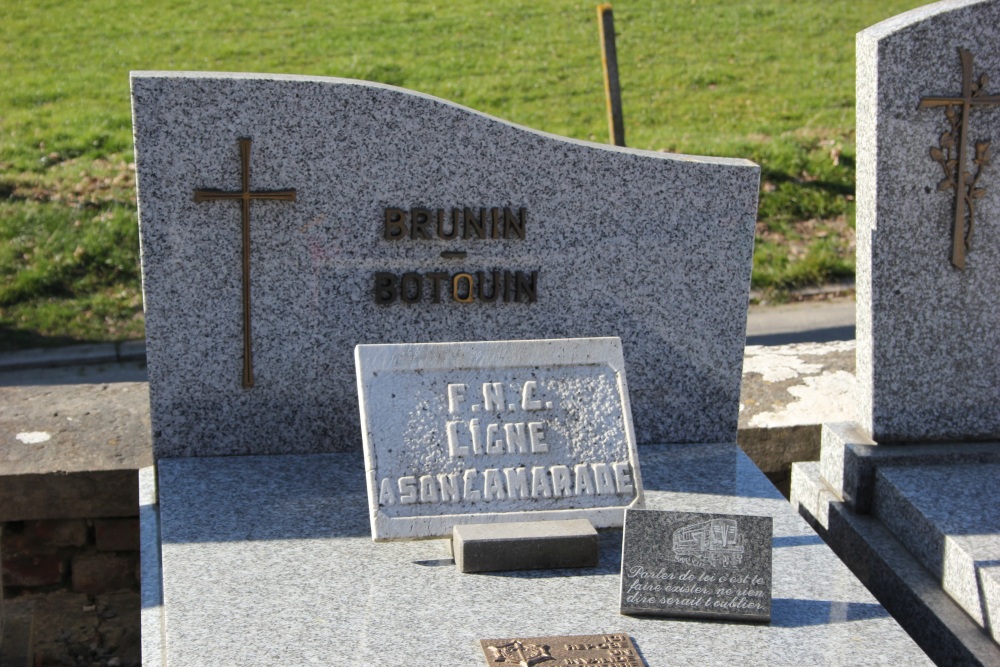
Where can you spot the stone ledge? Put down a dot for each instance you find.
(69, 451)
(904, 587)
(788, 392)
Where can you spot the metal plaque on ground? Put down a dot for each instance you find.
(611, 649)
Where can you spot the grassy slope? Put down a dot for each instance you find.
(771, 80)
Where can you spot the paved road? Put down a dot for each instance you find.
(807, 322)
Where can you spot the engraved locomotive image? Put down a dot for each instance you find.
(713, 543)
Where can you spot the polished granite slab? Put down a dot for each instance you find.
(947, 517)
(269, 560)
(910, 592)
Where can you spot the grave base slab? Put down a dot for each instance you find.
(269, 560)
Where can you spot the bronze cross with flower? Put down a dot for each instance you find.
(952, 154)
(245, 195)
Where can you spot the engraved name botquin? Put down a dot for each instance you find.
(512, 430)
(609, 649)
(691, 564)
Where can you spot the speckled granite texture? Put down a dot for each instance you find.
(906, 588)
(487, 432)
(651, 247)
(928, 334)
(282, 570)
(949, 518)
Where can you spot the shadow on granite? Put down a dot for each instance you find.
(796, 541)
(789, 613)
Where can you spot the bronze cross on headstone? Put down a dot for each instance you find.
(957, 175)
(244, 196)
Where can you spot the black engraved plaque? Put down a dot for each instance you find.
(693, 564)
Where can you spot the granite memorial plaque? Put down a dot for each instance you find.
(695, 564)
(495, 431)
(286, 219)
(611, 649)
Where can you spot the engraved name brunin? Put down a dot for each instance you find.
(478, 438)
(494, 285)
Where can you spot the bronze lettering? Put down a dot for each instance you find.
(474, 224)
(527, 286)
(410, 288)
(385, 288)
(421, 223)
(420, 220)
(455, 217)
(455, 292)
(436, 278)
(395, 224)
(514, 225)
(561, 650)
(480, 279)
(495, 219)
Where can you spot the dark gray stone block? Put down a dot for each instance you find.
(525, 545)
(695, 564)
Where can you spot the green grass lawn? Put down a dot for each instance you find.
(770, 80)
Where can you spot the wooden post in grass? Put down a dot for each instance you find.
(612, 88)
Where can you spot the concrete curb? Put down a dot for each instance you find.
(74, 355)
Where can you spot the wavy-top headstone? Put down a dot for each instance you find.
(381, 215)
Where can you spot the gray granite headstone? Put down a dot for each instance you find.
(928, 332)
(492, 432)
(928, 322)
(380, 215)
(695, 564)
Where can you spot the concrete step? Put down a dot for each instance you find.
(16, 639)
(948, 516)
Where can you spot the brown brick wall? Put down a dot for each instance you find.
(89, 556)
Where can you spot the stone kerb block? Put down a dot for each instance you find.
(525, 545)
(416, 220)
(505, 431)
(928, 332)
(946, 516)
